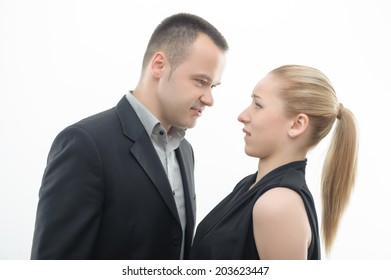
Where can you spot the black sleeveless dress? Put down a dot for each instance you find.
(227, 231)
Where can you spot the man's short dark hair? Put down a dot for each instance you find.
(175, 34)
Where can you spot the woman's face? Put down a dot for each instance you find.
(266, 126)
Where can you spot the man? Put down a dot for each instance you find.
(119, 184)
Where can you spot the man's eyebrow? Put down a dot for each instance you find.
(204, 76)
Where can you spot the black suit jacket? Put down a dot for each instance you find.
(105, 194)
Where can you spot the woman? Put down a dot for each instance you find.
(271, 214)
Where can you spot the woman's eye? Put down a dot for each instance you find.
(258, 106)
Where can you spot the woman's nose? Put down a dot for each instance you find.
(243, 118)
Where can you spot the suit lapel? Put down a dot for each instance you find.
(144, 152)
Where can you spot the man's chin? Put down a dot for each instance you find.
(187, 126)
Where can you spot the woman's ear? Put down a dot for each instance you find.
(158, 64)
(299, 125)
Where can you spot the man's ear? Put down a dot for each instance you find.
(158, 64)
(299, 126)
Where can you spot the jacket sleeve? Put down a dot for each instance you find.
(70, 198)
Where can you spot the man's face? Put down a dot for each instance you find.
(185, 92)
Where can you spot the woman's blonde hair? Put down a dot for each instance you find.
(307, 90)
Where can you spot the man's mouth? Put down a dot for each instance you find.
(197, 110)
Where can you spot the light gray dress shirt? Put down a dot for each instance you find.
(165, 145)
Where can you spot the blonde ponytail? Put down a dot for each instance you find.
(339, 173)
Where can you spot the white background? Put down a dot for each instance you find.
(61, 61)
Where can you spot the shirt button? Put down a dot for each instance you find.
(161, 132)
(173, 193)
(176, 240)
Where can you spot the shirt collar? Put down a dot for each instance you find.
(150, 122)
